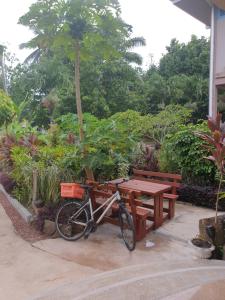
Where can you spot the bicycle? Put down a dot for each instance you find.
(75, 218)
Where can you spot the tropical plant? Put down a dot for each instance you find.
(52, 166)
(7, 142)
(214, 143)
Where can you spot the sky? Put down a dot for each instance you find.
(158, 21)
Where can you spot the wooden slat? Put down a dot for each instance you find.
(101, 194)
(157, 174)
(170, 196)
(171, 183)
(150, 206)
(148, 188)
(111, 221)
(124, 190)
(100, 201)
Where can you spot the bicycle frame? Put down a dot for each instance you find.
(108, 203)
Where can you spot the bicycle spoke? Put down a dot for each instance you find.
(72, 220)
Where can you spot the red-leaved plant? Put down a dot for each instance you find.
(215, 144)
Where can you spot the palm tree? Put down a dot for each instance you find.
(132, 57)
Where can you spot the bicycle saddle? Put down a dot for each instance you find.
(86, 187)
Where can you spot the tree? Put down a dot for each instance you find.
(189, 59)
(181, 78)
(7, 110)
(155, 93)
(81, 29)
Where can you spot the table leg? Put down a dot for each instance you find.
(158, 211)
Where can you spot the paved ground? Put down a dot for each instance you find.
(28, 270)
(170, 243)
(24, 270)
(209, 291)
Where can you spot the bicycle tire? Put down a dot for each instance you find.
(68, 229)
(127, 228)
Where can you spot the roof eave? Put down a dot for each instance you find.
(199, 9)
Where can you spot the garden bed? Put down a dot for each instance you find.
(200, 196)
(25, 230)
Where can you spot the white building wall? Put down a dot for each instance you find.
(220, 43)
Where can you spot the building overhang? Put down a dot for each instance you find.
(199, 9)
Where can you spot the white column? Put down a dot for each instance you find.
(212, 87)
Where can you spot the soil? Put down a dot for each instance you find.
(201, 243)
(25, 230)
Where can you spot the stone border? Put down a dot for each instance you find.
(23, 212)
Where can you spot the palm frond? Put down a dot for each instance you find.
(133, 57)
(136, 42)
(33, 57)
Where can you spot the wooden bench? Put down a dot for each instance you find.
(140, 214)
(172, 180)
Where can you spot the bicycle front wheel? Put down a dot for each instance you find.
(72, 220)
(127, 228)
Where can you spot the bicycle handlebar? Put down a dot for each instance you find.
(116, 183)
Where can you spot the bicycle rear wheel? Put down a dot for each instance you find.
(72, 220)
(127, 228)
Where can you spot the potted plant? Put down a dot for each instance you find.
(202, 248)
(215, 144)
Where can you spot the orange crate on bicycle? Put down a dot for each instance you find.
(71, 190)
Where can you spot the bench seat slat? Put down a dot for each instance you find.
(141, 212)
(170, 196)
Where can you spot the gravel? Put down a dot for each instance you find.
(25, 230)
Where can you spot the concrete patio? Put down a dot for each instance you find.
(170, 242)
(101, 265)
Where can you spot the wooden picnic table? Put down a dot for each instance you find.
(130, 191)
(155, 190)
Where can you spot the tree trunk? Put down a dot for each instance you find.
(89, 172)
(77, 88)
(2, 66)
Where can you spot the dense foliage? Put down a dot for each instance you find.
(110, 86)
(7, 110)
(183, 152)
(133, 117)
(113, 145)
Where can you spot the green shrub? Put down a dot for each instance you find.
(22, 174)
(108, 149)
(7, 110)
(53, 165)
(156, 127)
(182, 152)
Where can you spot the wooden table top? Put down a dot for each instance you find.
(147, 187)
